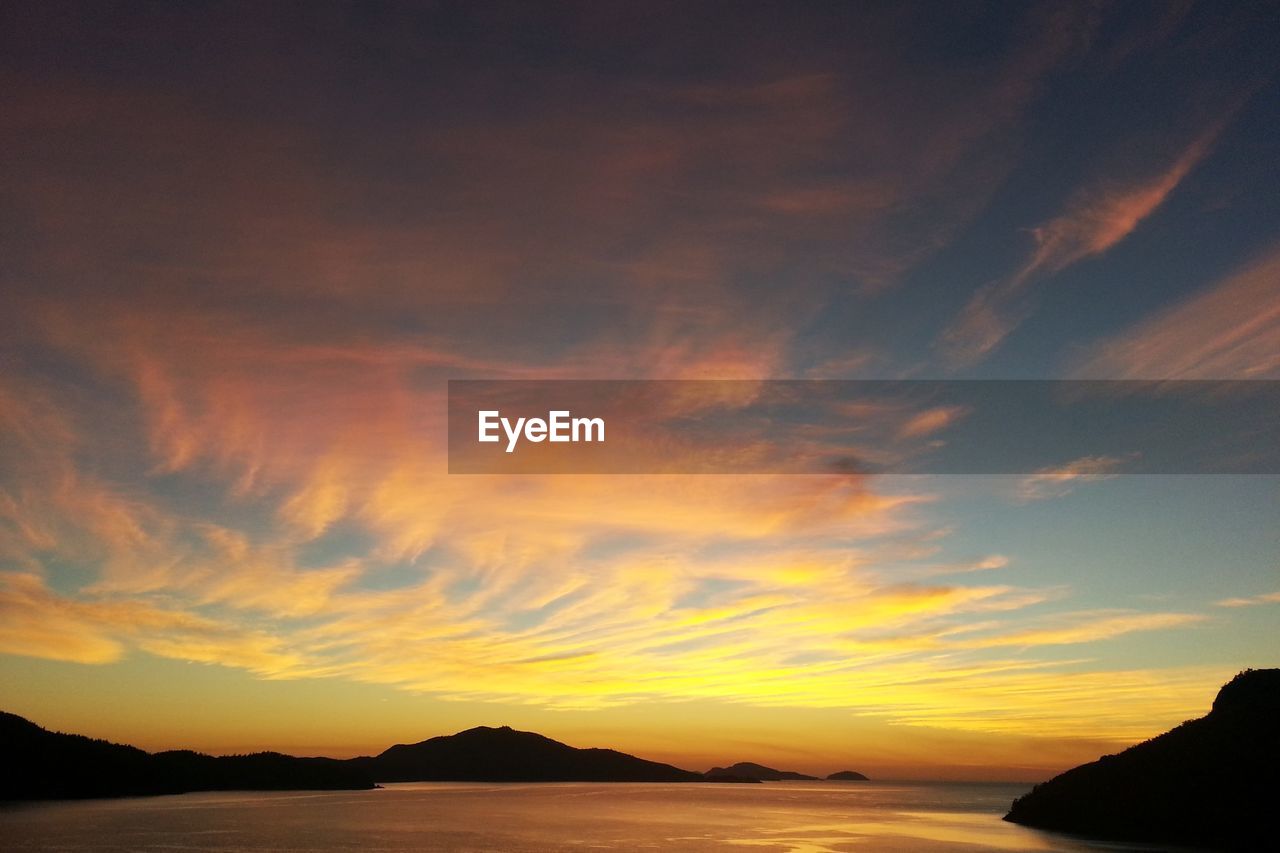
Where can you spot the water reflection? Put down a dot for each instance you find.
(786, 816)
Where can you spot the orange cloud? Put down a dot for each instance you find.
(1230, 330)
(1103, 216)
(1086, 628)
(248, 466)
(40, 623)
(1069, 703)
(1263, 598)
(558, 592)
(931, 421)
(32, 624)
(766, 591)
(1096, 220)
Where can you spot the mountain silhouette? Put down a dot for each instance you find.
(847, 776)
(41, 764)
(751, 770)
(1211, 781)
(485, 754)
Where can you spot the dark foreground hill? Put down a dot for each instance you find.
(503, 754)
(1212, 781)
(40, 764)
(758, 772)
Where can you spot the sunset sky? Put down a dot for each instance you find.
(244, 247)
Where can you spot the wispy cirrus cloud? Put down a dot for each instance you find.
(38, 622)
(1060, 480)
(1095, 220)
(1075, 628)
(1229, 330)
(766, 591)
(223, 436)
(1019, 700)
(1249, 601)
(984, 564)
(931, 421)
(1102, 216)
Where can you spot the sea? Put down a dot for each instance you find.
(805, 817)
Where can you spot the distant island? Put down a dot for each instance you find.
(503, 754)
(41, 764)
(753, 772)
(847, 776)
(1211, 781)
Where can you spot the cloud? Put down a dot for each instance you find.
(223, 436)
(985, 564)
(1061, 480)
(1230, 330)
(40, 623)
(931, 421)
(33, 624)
(1086, 628)
(1026, 700)
(311, 476)
(1104, 215)
(1263, 598)
(1095, 220)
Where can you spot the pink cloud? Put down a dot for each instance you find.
(1061, 480)
(1097, 219)
(1229, 330)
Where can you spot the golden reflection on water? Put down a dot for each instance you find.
(801, 817)
(948, 829)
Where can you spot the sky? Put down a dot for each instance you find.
(244, 247)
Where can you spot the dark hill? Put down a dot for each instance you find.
(1211, 781)
(486, 754)
(751, 770)
(40, 764)
(847, 776)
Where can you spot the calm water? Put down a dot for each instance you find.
(781, 816)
